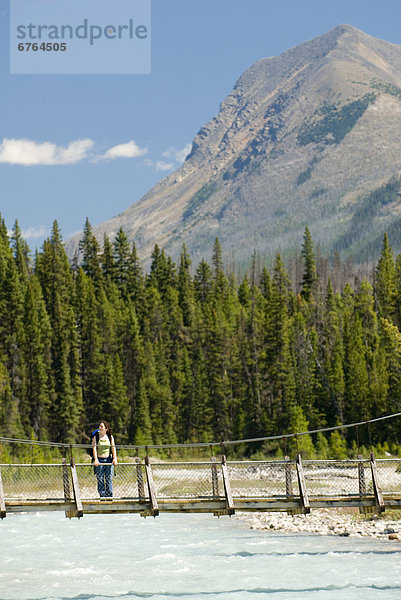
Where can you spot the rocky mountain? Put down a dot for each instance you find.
(312, 136)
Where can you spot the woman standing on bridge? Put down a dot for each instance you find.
(104, 459)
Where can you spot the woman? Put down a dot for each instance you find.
(104, 459)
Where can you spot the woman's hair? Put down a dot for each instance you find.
(108, 428)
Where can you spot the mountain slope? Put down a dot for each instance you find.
(307, 137)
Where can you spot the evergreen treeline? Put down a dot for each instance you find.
(182, 354)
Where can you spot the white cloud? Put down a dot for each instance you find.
(31, 233)
(127, 150)
(163, 166)
(28, 153)
(178, 155)
(176, 158)
(34, 233)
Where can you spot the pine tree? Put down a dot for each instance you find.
(278, 366)
(91, 341)
(309, 279)
(357, 404)
(122, 259)
(90, 250)
(113, 399)
(304, 349)
(330, 401)
(397, 315)
(12, 367)
(197, 414)
(133, 359)
(135, 280)
(107, 260)
(37, 348)
(162, 271)
(250, 334)
(364, 305)
(55, 276)
(298, 424)
(185, 288)
(21, 253)
(390, 342)
(265, 283)
(385, 288)
(337, 446)
(322, 447)
(219, 279)
(203, 282)
(12, 335)
(143, 421)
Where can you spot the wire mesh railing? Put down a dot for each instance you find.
(389, 475)
(261, 479)
(337, 478)
(199, 481)
(32, 482)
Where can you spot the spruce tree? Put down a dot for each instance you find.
(390, 342)
(55, 276)
(135, 280)
(107, 260)
(330, 400)
(203, 282)
(385, 288)
(122, 259)
(185, 288)
(91, 342)
(21, 252)
(397, 315)
(357, 397)
(278, 366)
(143, 421)
(309, 278)
(37, 346)
(90, 251)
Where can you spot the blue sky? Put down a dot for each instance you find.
(98, 143)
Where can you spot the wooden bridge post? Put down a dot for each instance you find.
(215, 481)
(139, 478)
(154, 508)
(302, 486)
(3, 513)
(289, 492)
(77, 494)
(288, 477)
(363, 510)
(66, 487)
(66, 481)
(376, 487)
(227, 487)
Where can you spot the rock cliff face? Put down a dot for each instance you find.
(312, 136)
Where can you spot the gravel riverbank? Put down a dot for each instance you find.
(327, 522)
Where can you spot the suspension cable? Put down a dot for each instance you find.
(283, 436)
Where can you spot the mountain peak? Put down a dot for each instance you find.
(303, 138)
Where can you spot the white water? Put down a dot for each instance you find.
(187, 557)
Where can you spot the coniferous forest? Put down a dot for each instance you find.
(186, 353)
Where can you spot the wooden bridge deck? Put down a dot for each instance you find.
(221, 488)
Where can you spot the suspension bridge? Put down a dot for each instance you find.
(216, 486)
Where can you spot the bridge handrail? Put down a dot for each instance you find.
(229, 462)
(229, 480)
